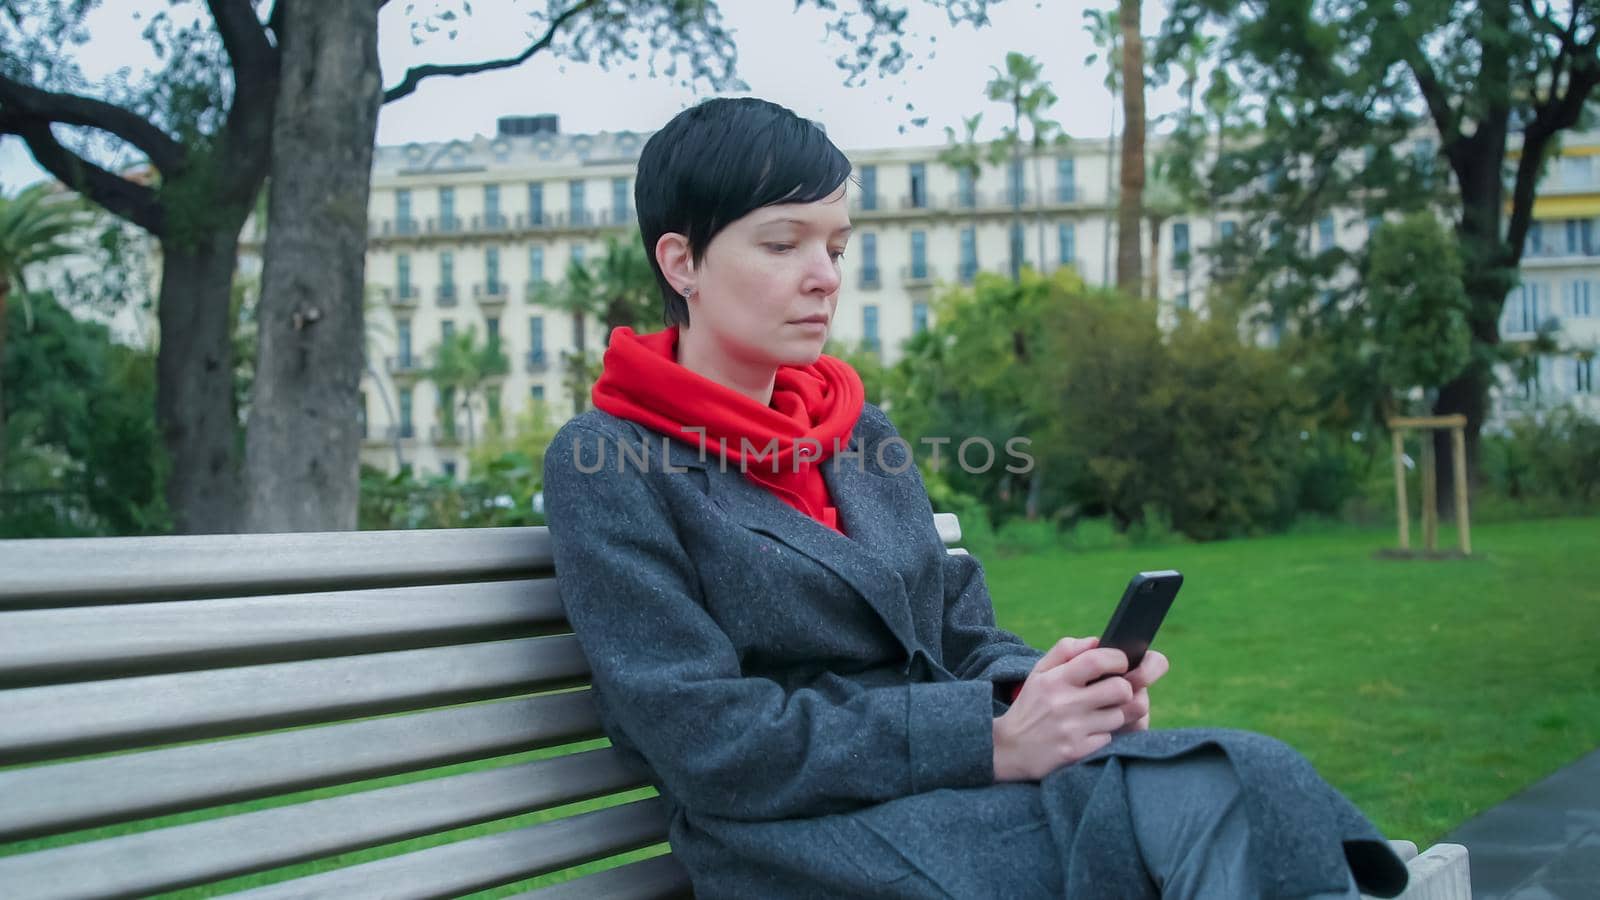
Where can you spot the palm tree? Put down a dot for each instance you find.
(1162, 201)
(1105, 29)
(619, 288)
(1020, 87)
(1130, 201)
(461, 370)
(33, 229)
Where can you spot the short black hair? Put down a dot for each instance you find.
(715, 163)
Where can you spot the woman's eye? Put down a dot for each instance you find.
(836, 254)
(780, 248)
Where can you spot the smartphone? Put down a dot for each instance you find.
(1144, 604)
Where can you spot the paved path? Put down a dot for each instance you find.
(1542, 844)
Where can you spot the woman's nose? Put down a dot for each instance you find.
(823, 272)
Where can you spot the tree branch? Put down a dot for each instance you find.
(118, 195)
(415, 74)
(243, 37)
(29, 102)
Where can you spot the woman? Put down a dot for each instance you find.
(818, 689)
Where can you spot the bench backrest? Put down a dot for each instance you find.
(405, 710)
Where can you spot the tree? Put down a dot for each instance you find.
(1419, 308)
(33, 229)
(201, 132)
(1360, 77)
(618, 287)
(1105, 29)
(461, 370)
(306, 439)
(1021, 87)
(1130, 201)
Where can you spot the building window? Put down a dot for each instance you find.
(1533, 245)
(1580, 300)
(536, 264)
(1373, 224)
(1325, 234)
(870, 276)
(447, 328)
(966, 189)
(1067, 240)
(1583, 376)
(491, 204)
(491, 266)
(1530, 305)
(402, 274)
(1066, 180)
(969, 254)
(447, 209)
(919, 317)
(449, 469)
(404, 224)
(620, 213)
(869, 187)
(406, 428)
(577, 254)
(447, 411)
(1180, 245)
(919, 254)
(1576, 172)
(1015, 194)
(537, 393)
(535, 203)
(447, 275)
(491, 330)
(869, 327)
(1018, 245)
(536, 340)
(919, 185)
(575, 202)
(403, 342)
(1227, 228)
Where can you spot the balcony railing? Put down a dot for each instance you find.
(490, 222)
(918, 201)
(967, 271)
(402, 432)
(406, 364)
(445, 435)
(446, 295)
(871, 279)
(405, 295)
(493, 292)
(443, 225)
(916, 274)
(535, 361)
(394, 227)
(540, 219)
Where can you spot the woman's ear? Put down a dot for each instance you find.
(675, 260)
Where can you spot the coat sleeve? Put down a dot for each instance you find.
(974, 647)
(670, 680)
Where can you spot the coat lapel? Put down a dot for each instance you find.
(851, 558)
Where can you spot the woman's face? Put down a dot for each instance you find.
(768, 284)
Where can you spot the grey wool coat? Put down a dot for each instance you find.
(816, 710)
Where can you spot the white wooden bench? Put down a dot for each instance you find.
(141, 677)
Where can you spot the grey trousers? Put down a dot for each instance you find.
(1192, 829)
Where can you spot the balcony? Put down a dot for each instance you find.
(962, 200)
(394, 227)
(1066, 193)
(406, 364)
(491, 294)
(444, 225)
(403, 297)
(490, 222)
(916, 275)
(920, 200)
(402, 432)
(445, 435)
(871, 279)
(967, 271)
(618, 218)
(446, 296)
(535, 361)
(531, 220)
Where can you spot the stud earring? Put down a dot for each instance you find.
(688, 294)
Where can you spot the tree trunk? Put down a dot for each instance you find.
(1111, 225)
(303, 452)
(1038, 209)
(5, 312)
(194, 382)
(578, 366)
(1130, 203)
(1155, 259)
(1014, 237)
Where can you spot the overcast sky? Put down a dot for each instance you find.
(783, 56)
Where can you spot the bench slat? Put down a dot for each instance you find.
(478, 863)
(62, 572)
(181, 856)
(949, 527)
(41, 723)
(656, 878)
(79, 643)
(44, 800)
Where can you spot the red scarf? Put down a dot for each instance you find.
(814, 408)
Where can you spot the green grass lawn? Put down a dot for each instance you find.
(1427, 691)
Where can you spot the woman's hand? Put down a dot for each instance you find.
(1137, 711)
(1065, 710)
